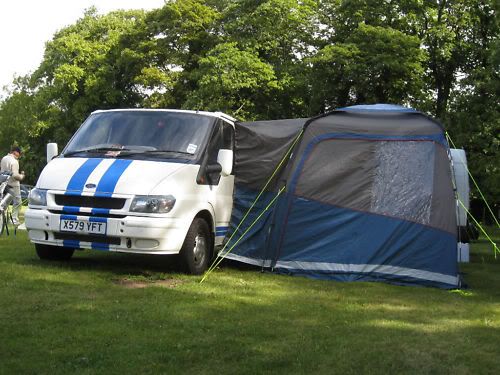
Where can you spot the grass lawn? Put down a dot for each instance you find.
(122, 314)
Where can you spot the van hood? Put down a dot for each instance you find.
(104, 176)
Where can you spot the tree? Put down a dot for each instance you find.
(232, 80)
(179, 35)
(85, 66)
(474, 118)
(373, 65)
(19, 126)
(281, 34)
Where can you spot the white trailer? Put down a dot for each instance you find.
(466, 230)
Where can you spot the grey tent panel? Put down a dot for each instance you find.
(443, 207)
(328, 175)
(260, 147)
(409, 123)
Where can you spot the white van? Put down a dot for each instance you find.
(137, 181)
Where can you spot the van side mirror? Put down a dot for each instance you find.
(52, 151)
(225, 159)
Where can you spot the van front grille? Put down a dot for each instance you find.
(91, 202)
(106, 215)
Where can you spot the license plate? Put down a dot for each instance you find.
(82, 226)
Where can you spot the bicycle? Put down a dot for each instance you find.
(6, 198)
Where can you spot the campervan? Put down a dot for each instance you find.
(137, 181)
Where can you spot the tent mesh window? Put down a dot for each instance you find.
(403, 189)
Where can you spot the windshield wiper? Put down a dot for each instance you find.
(95, 149)
(149, 152)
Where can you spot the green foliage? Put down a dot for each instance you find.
(231, 80)
(474, 123)
(270, 59)
(20, 126)
(373, 65)
(474, 116)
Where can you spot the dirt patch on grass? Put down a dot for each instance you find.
(138, 284)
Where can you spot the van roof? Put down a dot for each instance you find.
(220, 115)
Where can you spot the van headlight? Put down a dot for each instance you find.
(152, 204)
(37, 197)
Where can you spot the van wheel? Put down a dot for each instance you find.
(197, 247)
(48, 252)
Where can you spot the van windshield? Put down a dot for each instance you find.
(141, 134)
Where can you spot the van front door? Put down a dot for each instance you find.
(220, 188)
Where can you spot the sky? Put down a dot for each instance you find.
(25, 26)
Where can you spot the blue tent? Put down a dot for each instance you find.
(361, 193)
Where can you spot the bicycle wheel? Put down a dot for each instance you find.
(3, 221)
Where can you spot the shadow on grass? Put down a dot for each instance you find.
(161, 266)
(127, 264)
(118, 263)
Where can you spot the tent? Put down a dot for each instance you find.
(360, 193)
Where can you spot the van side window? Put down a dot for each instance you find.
(227, 136)
(222, 138)
(215, 144)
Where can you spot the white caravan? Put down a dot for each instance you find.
(137, 181)
(466, 231)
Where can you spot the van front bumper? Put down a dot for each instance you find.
(129, 234)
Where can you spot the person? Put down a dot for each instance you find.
(10, 163)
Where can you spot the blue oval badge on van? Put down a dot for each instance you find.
(90, 186)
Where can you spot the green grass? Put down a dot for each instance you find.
(80, 317)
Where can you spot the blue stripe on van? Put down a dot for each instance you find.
(98, 219)
(77, 182)
(71, 210)
(71, 243)
(105, 188)
(69, 217)
(91, 219)
(74, 193)
(99, 211)
(99, 246)
(221, 231)
(107, 184)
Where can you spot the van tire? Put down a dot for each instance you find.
(48, 252)
(197, 247)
